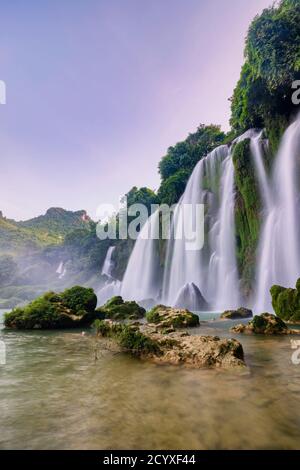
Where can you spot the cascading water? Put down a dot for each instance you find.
(213, 269)
(61, 270)
(108, 264)
(227, 286)
(142, 277)
(112, 286)
(182, 266)
(279, 247)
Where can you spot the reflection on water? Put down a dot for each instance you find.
(54, 394)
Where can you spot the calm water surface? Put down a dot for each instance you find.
(54, 394)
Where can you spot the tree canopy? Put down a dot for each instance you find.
(272, 63)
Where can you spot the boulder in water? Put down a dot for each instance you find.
(191, 298)
(239, 313)
(176, 348)
(117, 309)
(75, 307)
(265, 324)
(165, 317)
(286, 302)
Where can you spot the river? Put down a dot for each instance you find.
(61, 390)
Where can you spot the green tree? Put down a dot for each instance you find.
(272, 63)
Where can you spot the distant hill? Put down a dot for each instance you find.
(40, 231)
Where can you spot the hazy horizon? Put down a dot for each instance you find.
(97, 91)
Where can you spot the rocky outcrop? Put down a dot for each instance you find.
(265, 324)
(236, 314)
(175, 347)
(286, 302)
(165, 317)
(72, 308)
(117, 309)
(191, 298)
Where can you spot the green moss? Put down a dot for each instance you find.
(266, 323)
(286, 302)
(275, 128)
(117, 309)
(128, 337)
(72, 308)
(79, 298)
(172, 317)
(247, 213)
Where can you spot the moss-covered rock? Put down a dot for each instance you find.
(164, 317)
(265, 324)
(129, 337)
(79, 298)
(174, 347)
(238, 313)
(118, 309)
(73, 308)
(286, 302)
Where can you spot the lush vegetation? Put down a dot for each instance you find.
(247, 212)
(262, 98)
(177, 165)
(272, 63)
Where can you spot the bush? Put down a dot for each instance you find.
(79, 298)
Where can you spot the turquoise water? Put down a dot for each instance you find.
(55, 394)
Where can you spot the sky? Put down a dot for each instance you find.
(97, 90)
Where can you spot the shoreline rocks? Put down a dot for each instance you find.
(265, 324)
(174, 347)
(73, 308)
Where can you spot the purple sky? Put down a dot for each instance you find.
(97, 90)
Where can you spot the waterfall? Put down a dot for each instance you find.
(279, 247)
(182, 266)
(264, 185)
(212, 270)
(60, 268)
(142, 277)
(227, 286)
(109, 290)
(108, 264)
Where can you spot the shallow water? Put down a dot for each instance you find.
(54, 394)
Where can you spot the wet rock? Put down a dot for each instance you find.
(164, 317)
(238, 313)
(117, 309)
(265, 324)
(73, 308)
(286, 302)
(176, 348)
